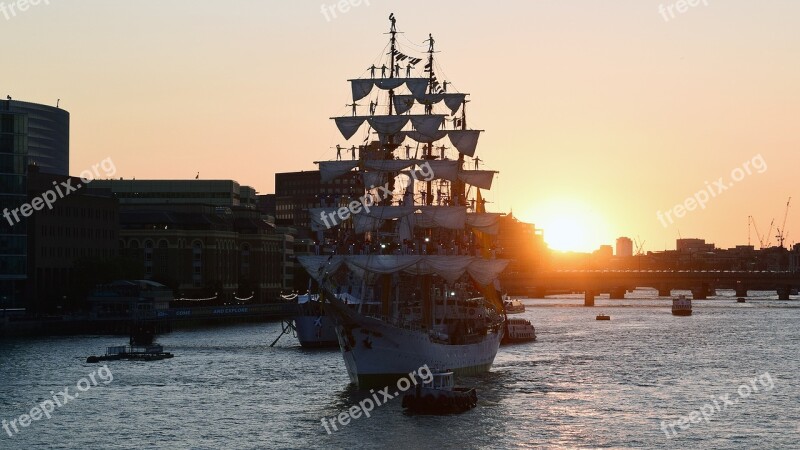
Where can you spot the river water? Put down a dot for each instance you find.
(726, 377)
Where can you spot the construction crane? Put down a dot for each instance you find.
(782, 234)
(769, 235)
(758, 235)
(639, 247)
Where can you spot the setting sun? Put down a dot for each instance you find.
(569, 225)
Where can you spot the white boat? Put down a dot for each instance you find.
(425, 260)
(519, 330)
(513, 306)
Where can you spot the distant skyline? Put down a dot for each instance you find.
(598, 115)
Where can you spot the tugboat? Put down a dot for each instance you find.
(681, 306)
(603, 317)
(518, 330)
(439, 396)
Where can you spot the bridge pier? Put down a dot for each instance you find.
(700, 293)
(664, 291)
(783, 293)
(741, 291)
(617, 293)
(588, 298)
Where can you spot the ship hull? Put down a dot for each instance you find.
(316, 331)
(377, 354)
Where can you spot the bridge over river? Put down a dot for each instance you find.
(617, 282)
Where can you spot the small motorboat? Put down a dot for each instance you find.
(603, 317)
(132, 352)
(513, 306)
(440, 396)
(518, 330)
(681, 306)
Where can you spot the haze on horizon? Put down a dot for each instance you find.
(597, 115)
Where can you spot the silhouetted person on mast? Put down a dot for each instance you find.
(477, 161)
(430, 47)
(372, 71)
(338, 152)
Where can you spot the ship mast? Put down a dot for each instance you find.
(392, 51)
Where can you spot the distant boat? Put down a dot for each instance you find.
(440, 396)
(151, 352)
(518, 330)
(740, 300)
(513, 306)
(602, 317)
(681, 306)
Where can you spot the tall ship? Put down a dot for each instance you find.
(407, 272)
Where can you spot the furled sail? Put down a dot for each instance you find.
(321, 218)
(318, 266)
(439, 169)
(388, 124)
(349, 125)
(389, 212)
(453, 101)
(362, 87)
(427, 124)
(485, 271)
(449, 267)
(465, 141)
(425, 137)
(363, 223)
(488, 223)
(389, 165)
(330, 170)
(445, 170)
(403, 103)
(373, 178)
(451, 217)
(478, 178)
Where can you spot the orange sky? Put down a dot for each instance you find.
(597, 114)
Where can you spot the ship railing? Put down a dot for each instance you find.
(399, 323)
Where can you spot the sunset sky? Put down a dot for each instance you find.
(597, 114)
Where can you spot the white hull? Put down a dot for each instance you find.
(379, 353)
